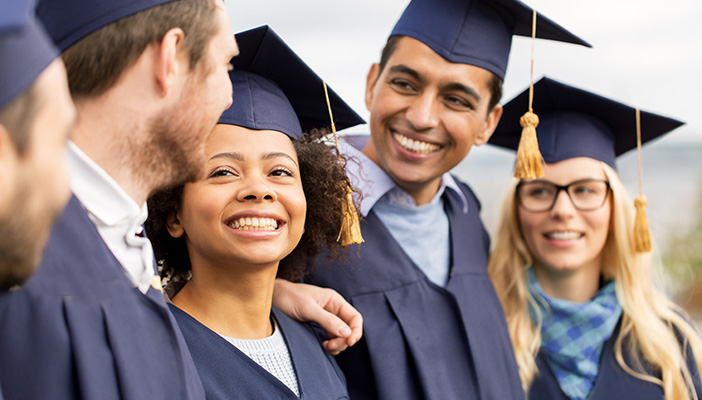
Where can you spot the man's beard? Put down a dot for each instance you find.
(23, 235)
(174, 151)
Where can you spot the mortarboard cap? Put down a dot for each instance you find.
(69, 21)
(476, 32)
(577, 123)
(25, 49)
(273, 89)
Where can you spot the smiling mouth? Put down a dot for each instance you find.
(254, 224)
(564, 235)
(415, 146)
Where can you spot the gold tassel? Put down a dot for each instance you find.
(528, 155)
(350, 232)
(642, 235)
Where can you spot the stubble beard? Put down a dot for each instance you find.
(174, 151)
(24, 232)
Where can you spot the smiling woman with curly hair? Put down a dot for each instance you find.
(271, 198)
(323, 183)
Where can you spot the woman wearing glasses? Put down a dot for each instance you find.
(585, 320)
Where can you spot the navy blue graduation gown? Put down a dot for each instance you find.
(227, 373)
(80, 330)
(612, 381)
(422, 341)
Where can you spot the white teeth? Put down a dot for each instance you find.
(254, 224)
(415, 146)
(565, 235)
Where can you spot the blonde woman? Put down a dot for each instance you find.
(585, 320)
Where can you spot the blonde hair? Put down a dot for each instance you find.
(653, 329)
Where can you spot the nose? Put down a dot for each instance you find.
(423, 113)
(230, 99)
(563, 208)
(256, 190)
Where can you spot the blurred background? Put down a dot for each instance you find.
(646, 53)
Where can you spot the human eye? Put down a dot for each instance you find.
(402, 85)
(539, 190)
(222, 171)
(458, 102)
(587, 188)
(282, 171)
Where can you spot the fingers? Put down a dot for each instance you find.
(335, 346)
(343, 311)
(342, 323)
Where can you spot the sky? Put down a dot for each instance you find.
(645, 53)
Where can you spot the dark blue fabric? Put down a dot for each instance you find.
(578, 123)
(422, 341)
(476, 32)
(273, 89)
(80, 330)
(228, 373)
(69, 21)
(612, 381)
(25, 49)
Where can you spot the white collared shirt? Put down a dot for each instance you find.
(118, 218)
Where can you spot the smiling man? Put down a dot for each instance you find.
(434, 328)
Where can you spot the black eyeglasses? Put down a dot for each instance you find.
(540, 196)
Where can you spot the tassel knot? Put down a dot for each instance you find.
(528, 155)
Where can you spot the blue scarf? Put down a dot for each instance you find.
(573, 335)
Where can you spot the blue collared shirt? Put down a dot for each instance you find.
(421, 231)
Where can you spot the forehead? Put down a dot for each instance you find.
(237, 139)
(572, 169)
(418, 56)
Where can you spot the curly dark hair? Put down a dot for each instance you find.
(324, 183)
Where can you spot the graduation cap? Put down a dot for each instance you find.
(69, 21)
(578, 123)
(25, 49)
(273, 89)
(476, 32)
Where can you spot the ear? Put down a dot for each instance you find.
(167, 65)
(371, 80)
(174, 226)
(489, 127)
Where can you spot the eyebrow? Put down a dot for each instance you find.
(240, 157)
(468, 91)
(403, 69)
(232, 156)
(268, 156)
(453, 86)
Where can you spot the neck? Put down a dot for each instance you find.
(233, 301)
(578, 285)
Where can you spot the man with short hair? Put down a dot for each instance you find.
(36, 114)
(149, 79)
(433, 325)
